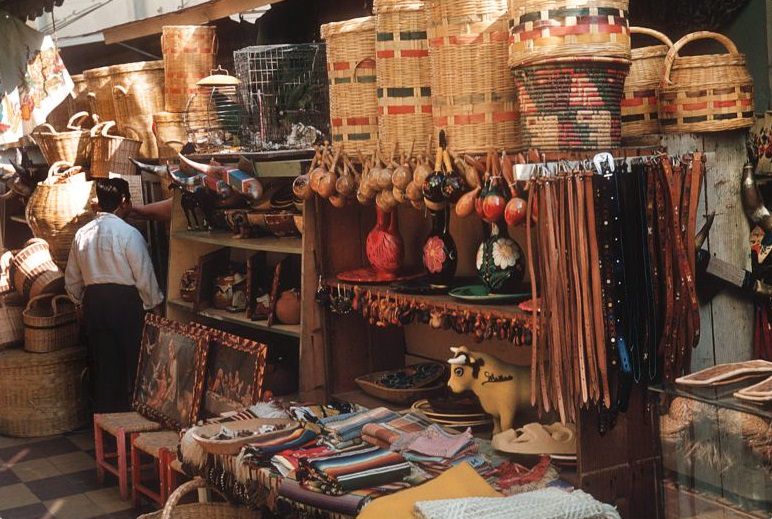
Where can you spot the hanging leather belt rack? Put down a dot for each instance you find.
(603, 275)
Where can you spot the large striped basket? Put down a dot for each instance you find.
(640, 107)
(404, 70)
(571, 104)
(34, 272)
(706, 93)
(189, 53)
(353, 88)
(550, 29)
(473, 98)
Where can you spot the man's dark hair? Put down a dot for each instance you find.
(111, 192)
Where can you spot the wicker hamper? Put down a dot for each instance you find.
(71, 146)
(34, 272)
(706, 93)
(353, 88)
(473, 97)
(571, 104)
(50, 323)
(171, 131)
(404, 70)
(639, 106)
(173, 510)
(550, 29)
(189, 53)
(99, 85)
(42, 394)
(11, 322)
(138, 93)
(111, 153)
(56, 211)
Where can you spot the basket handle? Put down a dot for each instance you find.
(699, 35)
(132, 130)
(181, 491)
(58, 167)
(215, 45)
(35, 299)
(120, 89)
(55, 303)
(654, 34)
(77, 119)
(359, 63)
(101, 129)
(46, 126)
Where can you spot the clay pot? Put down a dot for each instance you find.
(500, 261)
(288, 307)
(301, 187)
(384, 247)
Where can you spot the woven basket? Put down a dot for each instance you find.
(6, 283)
(34, 272)
(570, 104)
(99, 85)
(138, 93)
(189, 53)
(42, 394)
(353, 87)
(56, 211)
(111, 153)
(173, 510)
(639, 106)
(473, 98)
(203, 434)
(80, 93)
(11, 322)
(70, 146)
(50, 323)
(708, 93)
(549, 29)
(171, 132)
(404, 74)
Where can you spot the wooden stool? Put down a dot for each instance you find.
(161, 446)
(173, 470)
(118, 425)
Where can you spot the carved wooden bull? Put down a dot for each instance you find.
(502, 388)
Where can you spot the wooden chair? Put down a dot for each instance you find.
(161, 446)
(120, 426)
(175, 475)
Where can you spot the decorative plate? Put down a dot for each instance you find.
(480, 294)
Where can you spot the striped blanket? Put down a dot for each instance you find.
(385, 434)
(260, 453)
(348, 427)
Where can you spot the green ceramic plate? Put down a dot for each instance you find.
(480, 294)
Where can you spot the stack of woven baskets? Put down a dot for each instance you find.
(570, 59)
(41, 391)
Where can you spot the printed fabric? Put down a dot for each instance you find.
(347, 427)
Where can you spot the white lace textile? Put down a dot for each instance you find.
(547, 503)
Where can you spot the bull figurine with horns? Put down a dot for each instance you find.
(503, 389)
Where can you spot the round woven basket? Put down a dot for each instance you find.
(570, 104)
(50, 323)
(639, 105)
(353, 89)
(404, 74)
(171, 132)
(56, 211)
(11, 322)
(138, 93)
(707, 93)
(189, 53)
(72, 146)
(173, 510)
(99, 86)
(473, 97)
(42, 394)
(111, 153)
(549, 29)
(34, 272)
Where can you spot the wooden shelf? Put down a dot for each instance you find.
(291, 330)
(287, 245)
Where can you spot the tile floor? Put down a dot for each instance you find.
(55, 478)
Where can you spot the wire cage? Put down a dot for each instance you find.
(284, 90)
(221, 123)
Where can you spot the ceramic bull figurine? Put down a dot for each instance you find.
(502, 388)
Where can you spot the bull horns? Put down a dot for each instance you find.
(702, 235)
(458, 360)
(753, 203)
(159, 170)
(207, 169)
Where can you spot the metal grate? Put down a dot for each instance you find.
(282, 85)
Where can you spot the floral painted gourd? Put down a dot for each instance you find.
(500, 261)
(440, 256)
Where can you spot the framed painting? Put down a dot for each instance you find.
(235, 370)
(171, 372)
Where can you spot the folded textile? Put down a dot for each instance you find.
(374, 440)
(512, 478)
(259, 453)
(391, 431)
(354, 469)
(288, 460)
(459, 481)
(348, 504)
(548, 503)
(315, 413)
(346, 427)
(435, 441)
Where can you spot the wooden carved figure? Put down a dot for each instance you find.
(502, 388)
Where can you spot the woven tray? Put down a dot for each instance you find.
(202, 435)
(426, 387)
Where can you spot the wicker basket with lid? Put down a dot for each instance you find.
(404, 73)
(353, 88)
(473, 96)
(639, 106)
(189, 53)
(706, 93)
(99, 86)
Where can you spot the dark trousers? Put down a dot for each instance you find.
(113, 317)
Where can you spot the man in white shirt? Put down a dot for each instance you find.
(109, 273)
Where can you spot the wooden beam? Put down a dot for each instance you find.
(194, 15)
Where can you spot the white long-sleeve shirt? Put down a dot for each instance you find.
(108, 250)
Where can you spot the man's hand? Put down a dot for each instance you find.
(158, 310)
